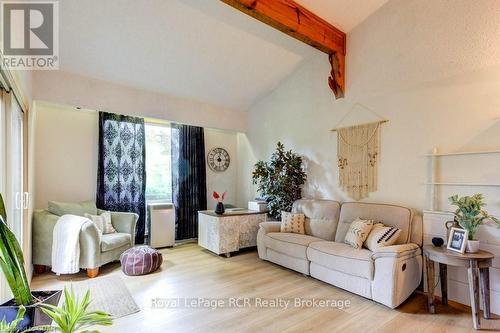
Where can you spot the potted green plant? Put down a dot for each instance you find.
(12, 265)
(470, 216)
(280, 180)
(73, 315)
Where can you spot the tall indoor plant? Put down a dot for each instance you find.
(280, 180)
(12, 265)
(470, 216)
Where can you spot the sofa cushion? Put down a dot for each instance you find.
(390, 215)
(114, 240)
(74, 208)
(342, 257)
(294, 245)
(322, 217)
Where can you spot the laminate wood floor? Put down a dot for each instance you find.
(190, 272)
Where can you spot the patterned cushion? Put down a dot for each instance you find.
(381, 236)
(292, 222)
(140, 260)
(358, 232)
(102, 222)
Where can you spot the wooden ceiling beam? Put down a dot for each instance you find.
(296, 21)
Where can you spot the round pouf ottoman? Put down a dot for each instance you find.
(140, 260)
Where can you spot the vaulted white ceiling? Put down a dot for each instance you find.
(198, 49)
(344, 14)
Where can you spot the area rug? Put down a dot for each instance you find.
(108, 294)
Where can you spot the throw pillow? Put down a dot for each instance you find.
(102, 222)
(292, 222)
(381, 236)
(358, 232)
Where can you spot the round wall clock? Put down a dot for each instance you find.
(218, 159)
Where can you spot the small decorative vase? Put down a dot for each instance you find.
(437, 241)
(472, 246)
(219, 208)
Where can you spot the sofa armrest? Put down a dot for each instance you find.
(398, 272)
(125, 222)
(265, 228)
(90, 246)
(397, 251)
(42, 228)
(268, 227)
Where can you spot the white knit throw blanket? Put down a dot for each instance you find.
(66, 244)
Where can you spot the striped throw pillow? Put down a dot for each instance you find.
(381, 236)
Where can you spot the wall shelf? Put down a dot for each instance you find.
(440, 212)
(464, 153)
(434, 183)
(463, 184)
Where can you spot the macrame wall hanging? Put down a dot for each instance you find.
(358, 154)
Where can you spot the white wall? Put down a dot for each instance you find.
(66, 142)
(66, 153)
(64, 88)
(227, 180)
(431, 67)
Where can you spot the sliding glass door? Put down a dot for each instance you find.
(11, 170)
(14, 190)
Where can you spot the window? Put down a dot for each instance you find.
(158, 163)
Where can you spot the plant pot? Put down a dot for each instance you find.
(219, 208)
(34, 316)
(472, 246)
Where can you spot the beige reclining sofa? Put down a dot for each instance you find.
(388, 276)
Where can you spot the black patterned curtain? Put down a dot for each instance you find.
(189, 180)
(121, 174)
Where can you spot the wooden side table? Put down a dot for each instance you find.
(477, 265)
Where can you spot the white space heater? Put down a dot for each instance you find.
(162, 227)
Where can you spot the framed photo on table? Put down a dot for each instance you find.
(457, 240)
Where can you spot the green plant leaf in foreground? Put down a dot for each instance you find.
(73, 315)
(11, 327)
(3, 212)
(12, 261)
